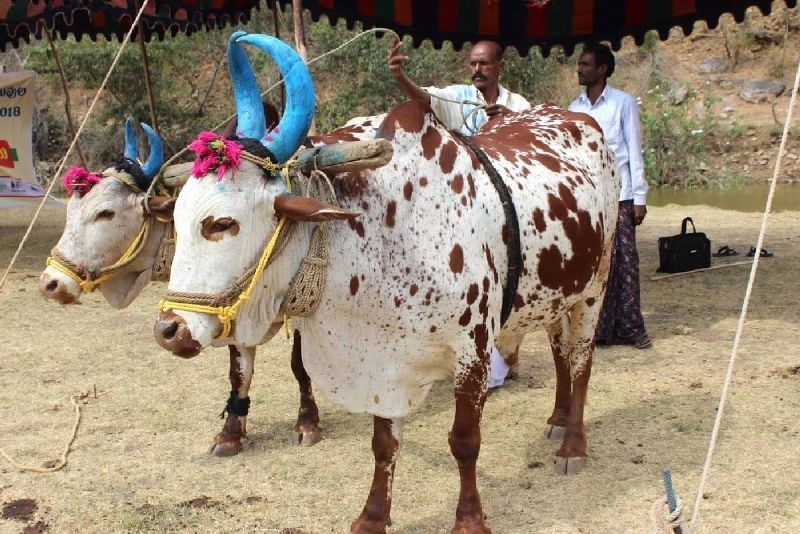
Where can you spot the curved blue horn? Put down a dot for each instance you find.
(156, 157)
(249, 111)
(300, 100)
(131, 150)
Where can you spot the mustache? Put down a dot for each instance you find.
(478, 76)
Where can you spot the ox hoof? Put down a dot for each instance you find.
(366, 526)
(470, 526)
(306, 437)
(571, 465)
(226, 448)
(556, 433)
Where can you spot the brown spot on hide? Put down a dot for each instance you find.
(472, 293)
(538, 220)
(356, 226)
(354, 285)
(457, 259)
(471, 184)
(570, 275)
(465, 317)
(431, 140)
(549, 161)
(457, 185)
(391, 209)
(408, 116)
(413, 289)
(590, 301)
(339, 135)
(490, 262)
(519, 302)
(397, 302)
(423, 181)
(432, 329)
(448, 157)
(352, 185)
(408, 189)
(592, 146)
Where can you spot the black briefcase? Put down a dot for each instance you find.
(685, 251)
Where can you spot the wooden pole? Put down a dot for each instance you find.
(146, 67)
(275, 20)
(67, 108)
(300, 42)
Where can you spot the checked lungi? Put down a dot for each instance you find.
(621, 320)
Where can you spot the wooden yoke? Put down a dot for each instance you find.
(341, 157)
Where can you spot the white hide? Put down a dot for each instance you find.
(92, 240)
(392, 318)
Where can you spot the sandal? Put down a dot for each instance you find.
(725, 251)
(644, 342)
(764, 253)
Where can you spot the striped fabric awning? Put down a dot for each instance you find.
(21, 20)
(526, 23)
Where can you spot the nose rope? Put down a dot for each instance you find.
(226, 305)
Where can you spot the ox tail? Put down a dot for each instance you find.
(293, 127)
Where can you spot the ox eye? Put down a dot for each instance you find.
(213, 229)
(105, 215)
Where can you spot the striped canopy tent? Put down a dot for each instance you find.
(526, 23)
(23, 20)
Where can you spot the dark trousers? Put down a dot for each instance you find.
(621, 318)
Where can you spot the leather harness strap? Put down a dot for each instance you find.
(514, 249)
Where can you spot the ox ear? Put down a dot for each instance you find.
(161, 206)
(309, 209)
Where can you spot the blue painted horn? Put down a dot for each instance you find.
(156, 157)
(300, 101)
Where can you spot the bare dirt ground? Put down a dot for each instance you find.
(140, 464)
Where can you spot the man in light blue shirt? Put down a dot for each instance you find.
(617, 113)
(464, 108)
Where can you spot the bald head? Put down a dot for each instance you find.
(491, 47)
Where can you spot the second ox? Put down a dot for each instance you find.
(459, 243)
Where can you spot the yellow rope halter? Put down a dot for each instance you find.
(227, 314)
(94, 278)
(90, 283)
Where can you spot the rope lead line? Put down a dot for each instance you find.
(743, 313)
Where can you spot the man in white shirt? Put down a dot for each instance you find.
(617, 112)
(461, 107)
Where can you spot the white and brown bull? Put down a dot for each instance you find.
(421, 284)
(111, 240)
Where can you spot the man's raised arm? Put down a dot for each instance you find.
(397, 63)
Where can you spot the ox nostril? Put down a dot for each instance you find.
(167, 329)
(52, 286)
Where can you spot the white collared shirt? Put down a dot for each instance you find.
(465, 119)
(617, 112)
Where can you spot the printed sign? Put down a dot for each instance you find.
(16, 115)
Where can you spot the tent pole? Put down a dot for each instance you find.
(67, 107)
(300, 42)
(146, 67)
(275, 19)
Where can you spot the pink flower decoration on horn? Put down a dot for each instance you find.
(214, 153)
(78, 179)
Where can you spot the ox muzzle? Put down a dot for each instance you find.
(55, 286)
(172, 332)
